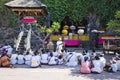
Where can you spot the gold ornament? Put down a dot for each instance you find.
(64, 32)
(66, 27)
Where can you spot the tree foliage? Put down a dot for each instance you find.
(79, 8)
(58, 9)
(115, 23)
(53, 28)
(7, 17)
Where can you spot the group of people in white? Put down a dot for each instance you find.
(44, 57)
(6, 48)
(97, 63)
(90, 62)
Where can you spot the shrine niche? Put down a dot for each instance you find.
(110, 44)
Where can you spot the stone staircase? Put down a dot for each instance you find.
(35, 42)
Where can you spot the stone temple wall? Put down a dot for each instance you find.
(6, 35)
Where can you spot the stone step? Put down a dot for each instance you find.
(34, 39)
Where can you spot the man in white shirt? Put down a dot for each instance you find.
(28, 57)
(35, 60)
(93, 53)
(14, 58)
(113, 66)
(103, 61)
(52, 59)
(72, 59)
(9, 50)
(59, 45)
(44, 58)
(55, 53)
(21, 59)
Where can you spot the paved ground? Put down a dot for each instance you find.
(53, 73)
(59, 72)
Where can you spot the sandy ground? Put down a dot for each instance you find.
(58, 72)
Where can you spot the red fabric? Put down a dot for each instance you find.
(71, 42)
(85, 67)
(28, 20)
(5, 61)
(100, 41)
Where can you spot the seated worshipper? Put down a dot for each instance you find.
(103, 61)
(28, 57)
(9, 49)
(50, 46)
(14, 58)
(1, 49)
(96, 68)
(47, 52)
(55, 53)
(113, 66)
(87, 54)
(81, 58)
(21, 58)
(85, 66)
(118, 61)
(66, 55)
(4, 47)
(41, 50)
(35, 60)
(44, 58)
(59, 45)
(63, 53)
(4, 61)
(4, 52)
(72, 59)
(60, 59)
(38, 57)
(29, 50)
(93, 53)
(52, 60)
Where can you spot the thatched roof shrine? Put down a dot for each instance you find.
(27, 7)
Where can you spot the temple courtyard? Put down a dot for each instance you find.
(58, 72)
